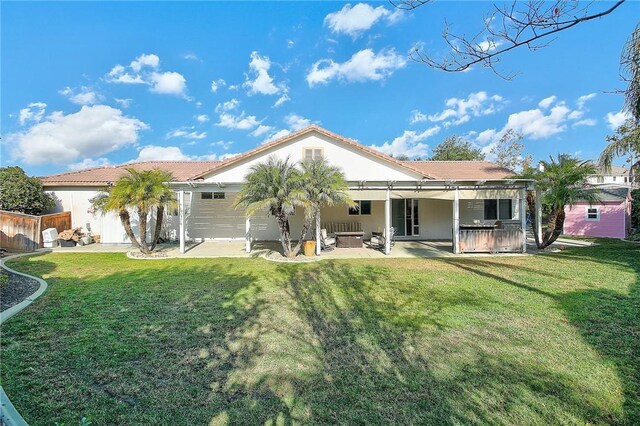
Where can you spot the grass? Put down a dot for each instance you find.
(549, 339)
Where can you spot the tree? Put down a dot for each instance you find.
(279, 187)
(626, 140)
(275, 186)
(324, 185)
(509, 26)
(21, 193)
(140, 192)
(562, 182)
(508, 151)
(456, 148)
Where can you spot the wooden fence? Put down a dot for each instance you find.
(491, 240)
(23, 232)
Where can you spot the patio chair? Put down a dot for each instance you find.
(378, 239)
(326, 242)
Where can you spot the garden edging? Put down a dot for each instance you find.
(8, 413)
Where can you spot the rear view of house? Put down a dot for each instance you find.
(610, 217)
(464, 202)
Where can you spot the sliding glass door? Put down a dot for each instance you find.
(405, 217)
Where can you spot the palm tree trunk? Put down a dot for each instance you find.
(531, 203)
(158, 229)
(125, 218)
(554, 228)
(285, 234)
(142, 221)
(305, 228)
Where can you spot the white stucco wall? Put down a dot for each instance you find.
(356, 164)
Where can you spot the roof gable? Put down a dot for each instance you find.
(357, 161)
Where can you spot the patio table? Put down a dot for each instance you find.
(349, 239)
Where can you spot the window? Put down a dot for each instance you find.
(498, 209)
(490, 209)
(592, 213)
(505, 210)
(614, 178)
(212, 195)
(362, 207)
(311, 154)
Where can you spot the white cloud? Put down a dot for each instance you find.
(91, 132)
(174, 153)
(145, 70)
(89, 163)
(458, 111)
(216, 84)
(282, 99)
(417, 117)
(238, 122)
(617, 119)
(190, 56)
(290, 43)
(144, 60)
(33, 112)
(202, 118)
(83, 96)
(409, 143)
(296, 122)
(224, 144)
(227, 106)
(364, 65)
(486, 136)
(584, 98)
(359, 18)
(161, 153)
(124, 103)
(261, 130)
(546, 102)
(187, 133)
(489, 45)
(262, 83)
(277, 135)
(536, 124)
(168, 83)
(586, 122)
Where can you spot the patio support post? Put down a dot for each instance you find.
(523, 217)
(181, 215)
(538, 214)
(318, 234)
(247, 237)
(387, 223)
(456, 222)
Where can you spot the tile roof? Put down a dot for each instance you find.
(193, 170)
(461, 170)
(611, 193)
(97, 176)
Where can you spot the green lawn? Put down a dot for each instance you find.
(550, 339)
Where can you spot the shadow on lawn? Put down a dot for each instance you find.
(608, 320)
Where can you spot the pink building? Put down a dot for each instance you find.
(610, 217)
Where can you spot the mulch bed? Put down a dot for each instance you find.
(16, 290)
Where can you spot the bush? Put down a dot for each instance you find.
(21, 193)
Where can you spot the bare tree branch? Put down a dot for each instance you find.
(532, 24)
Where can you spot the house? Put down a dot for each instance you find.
(610, 217)
(617, 176)
(423, 200)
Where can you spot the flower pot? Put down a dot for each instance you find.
(309, 248)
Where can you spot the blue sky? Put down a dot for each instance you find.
(87, 84)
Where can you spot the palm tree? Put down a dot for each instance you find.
(324, 185)
(277, 187)
(562, 182)
(626, 141)
(140, 191)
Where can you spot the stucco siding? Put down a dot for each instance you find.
(356, 164)
(612, 221)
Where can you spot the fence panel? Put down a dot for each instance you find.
(23, 232)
